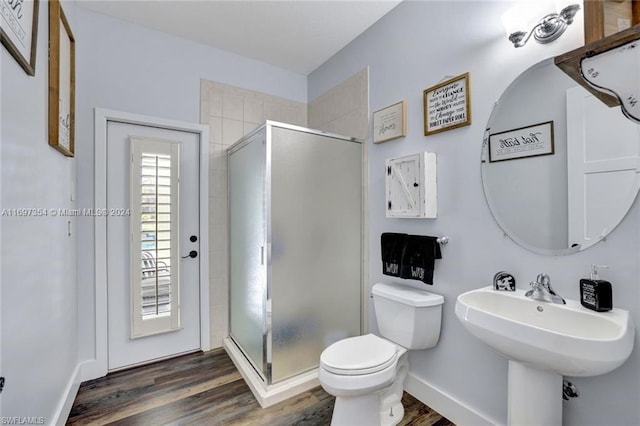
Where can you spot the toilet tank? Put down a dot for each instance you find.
(408, 316)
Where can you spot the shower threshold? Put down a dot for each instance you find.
(268, 395)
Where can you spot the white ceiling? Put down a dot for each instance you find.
(297, 35)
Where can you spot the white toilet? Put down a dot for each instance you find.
(366, 373)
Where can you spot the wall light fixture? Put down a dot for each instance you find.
(547, 29)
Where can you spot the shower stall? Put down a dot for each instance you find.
(295, 262)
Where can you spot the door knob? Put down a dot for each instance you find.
(192, 254)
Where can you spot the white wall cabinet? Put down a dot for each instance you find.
(411, 187)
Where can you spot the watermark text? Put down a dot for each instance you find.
(21, 420)
(40, 212)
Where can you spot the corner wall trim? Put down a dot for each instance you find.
(448, 406)
(66, 402)
(92, 369)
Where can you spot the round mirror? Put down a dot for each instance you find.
(560, 169)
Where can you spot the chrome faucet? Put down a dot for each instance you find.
(541, 290)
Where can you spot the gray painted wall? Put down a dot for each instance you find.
(38, 273)
(410, 49)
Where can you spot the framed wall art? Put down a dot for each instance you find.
(19, 31)
(390, 122)
(529, 141)
(447, 105)
(61, 81)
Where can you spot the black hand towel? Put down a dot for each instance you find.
(419, 258)
(393, 246)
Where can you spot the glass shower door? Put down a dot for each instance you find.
(247, 224)
(316, 213)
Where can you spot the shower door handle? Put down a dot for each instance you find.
(262, 255)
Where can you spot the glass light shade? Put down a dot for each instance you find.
(514, 21)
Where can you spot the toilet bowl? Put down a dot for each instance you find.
(366, 373)
(360, 372)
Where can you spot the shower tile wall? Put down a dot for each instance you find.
(231, 112)
(344, 109)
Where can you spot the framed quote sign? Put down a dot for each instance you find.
(62, 76)
(390, 122)
(447, 105)
(19, 31)
(529, 141)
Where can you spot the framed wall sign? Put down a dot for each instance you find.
(447, 105)
(19, 31)
(61, 81)
(390, 122)
(527, 141)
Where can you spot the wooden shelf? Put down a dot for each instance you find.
(600, 16)
(570, 62)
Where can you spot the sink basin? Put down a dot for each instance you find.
(564, 339)
(543, 342)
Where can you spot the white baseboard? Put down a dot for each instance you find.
(64, 407)
(448, 406)
(92, 369)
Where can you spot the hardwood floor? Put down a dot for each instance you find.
(205, 389)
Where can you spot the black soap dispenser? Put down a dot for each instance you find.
(595, 294)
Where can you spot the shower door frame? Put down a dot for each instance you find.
(267, 326)
(264, 373)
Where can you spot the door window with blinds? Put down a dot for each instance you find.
(155, 261)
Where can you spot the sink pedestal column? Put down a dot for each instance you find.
(534, 396)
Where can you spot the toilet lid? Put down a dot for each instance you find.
(359, 355)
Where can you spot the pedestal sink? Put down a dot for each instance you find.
(543, 342)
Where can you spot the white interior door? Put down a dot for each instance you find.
(153, 284)
(598, 160)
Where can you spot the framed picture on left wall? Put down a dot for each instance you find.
(390, 122)
(19, 31)
(62, 81)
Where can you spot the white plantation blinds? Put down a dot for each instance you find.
(155, 277)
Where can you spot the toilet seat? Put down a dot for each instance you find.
(359, 355)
